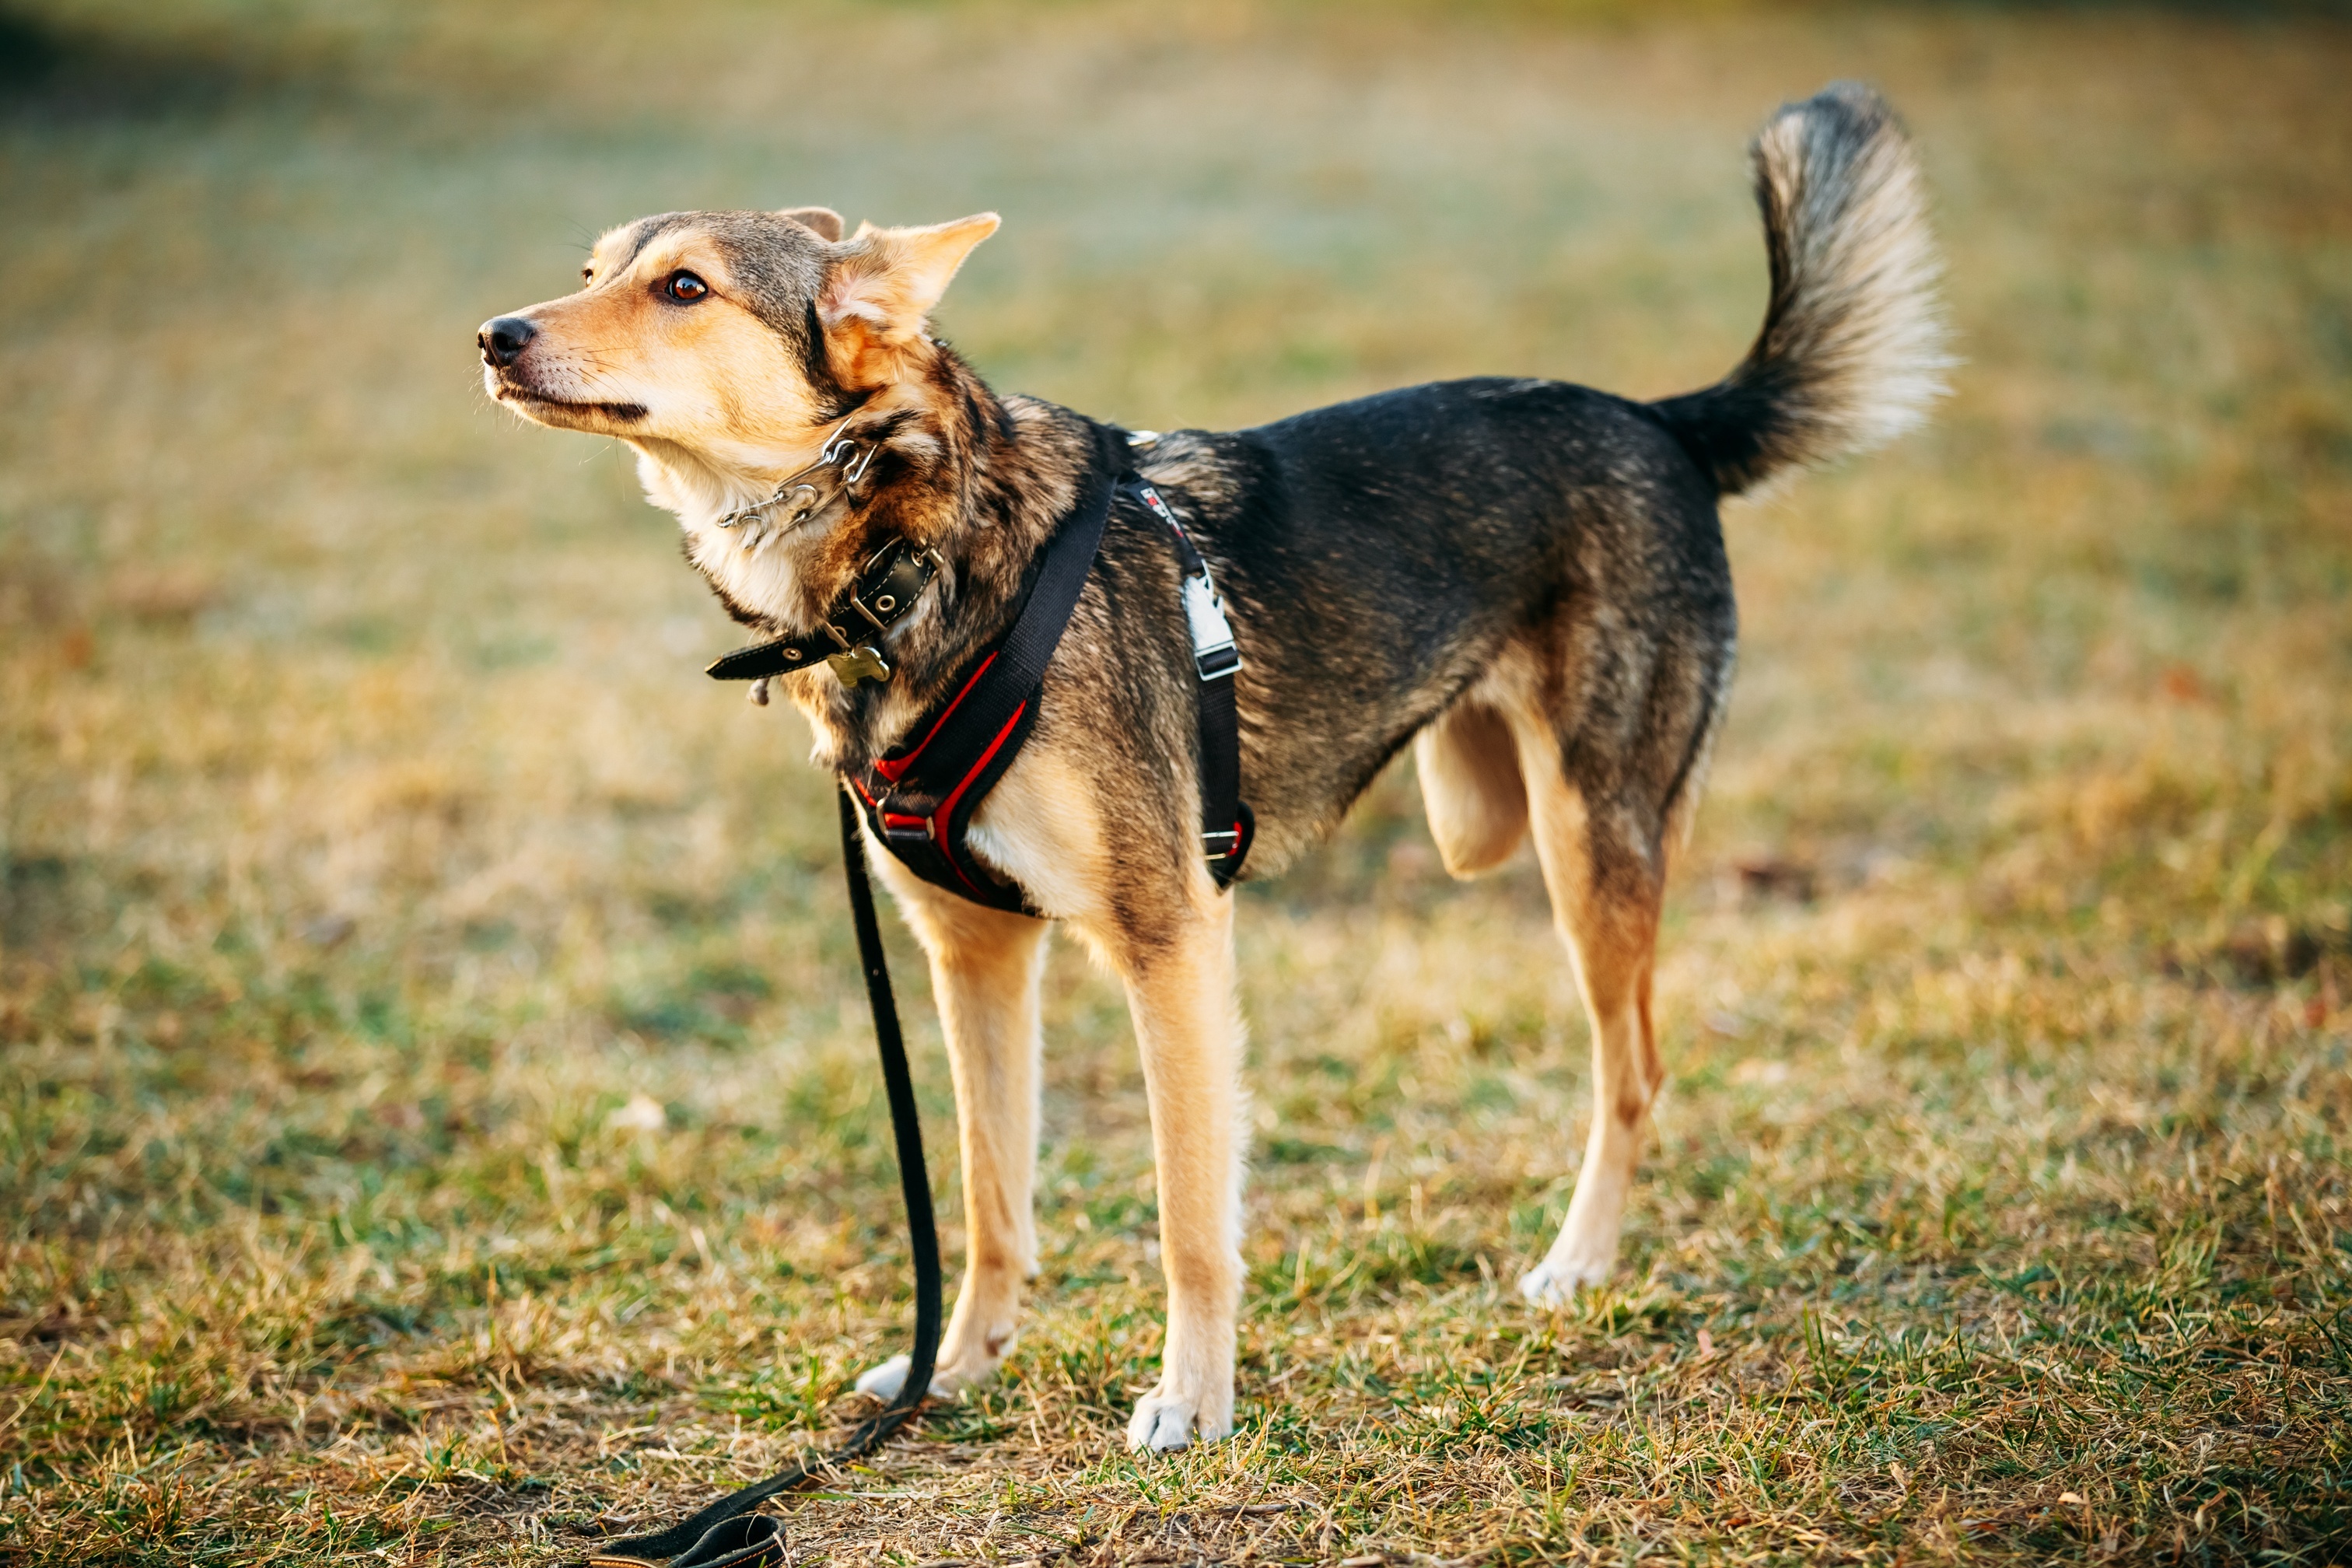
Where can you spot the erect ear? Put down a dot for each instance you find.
(883, 283)
(824, 220)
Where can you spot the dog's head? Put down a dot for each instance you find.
(734, 338)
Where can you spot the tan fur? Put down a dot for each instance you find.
(1181, 992)
(1038, 827)
(1606, 878)
(882, 289)
(728, 411)
(984, 971)
(1469, 769)
(1610, 924)
(1188, 1027)
(718, 389)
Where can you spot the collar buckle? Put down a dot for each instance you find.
(886, 587)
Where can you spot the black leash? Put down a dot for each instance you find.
(727, 1534)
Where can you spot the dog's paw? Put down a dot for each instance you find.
(1164, 1422)
(884, 1382)
(1556, 1280)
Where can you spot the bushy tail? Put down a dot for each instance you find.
(1851, 352)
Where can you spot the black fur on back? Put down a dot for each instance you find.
(1379, 555)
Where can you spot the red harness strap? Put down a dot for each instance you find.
(920, 799)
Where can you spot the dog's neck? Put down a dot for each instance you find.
(980, 480)
(769, 575)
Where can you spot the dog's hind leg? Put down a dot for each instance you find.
(984, 971)
(1468, 766)
(1603, 864)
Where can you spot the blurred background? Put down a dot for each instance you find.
(436, 1118)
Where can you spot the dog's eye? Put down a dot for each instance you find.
(587, 275)
(685, 288)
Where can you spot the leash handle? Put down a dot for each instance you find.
(718, 1536)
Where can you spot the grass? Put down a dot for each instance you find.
(435, 1119)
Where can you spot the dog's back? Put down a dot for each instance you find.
(1401, 543)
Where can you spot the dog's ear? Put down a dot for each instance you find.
(824, 220)
(882, 284)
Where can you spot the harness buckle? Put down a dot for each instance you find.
(1214, 653)
(1214, 657)
(900, 828)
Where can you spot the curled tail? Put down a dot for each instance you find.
(1852, 347)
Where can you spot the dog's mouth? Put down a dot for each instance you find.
(534, 402)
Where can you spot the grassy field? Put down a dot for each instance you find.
(436, 1115)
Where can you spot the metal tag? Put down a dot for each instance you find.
(864, 662)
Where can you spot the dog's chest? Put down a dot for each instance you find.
(753, 571)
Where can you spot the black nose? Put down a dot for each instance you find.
(503, 338)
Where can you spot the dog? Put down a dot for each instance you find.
(1522, 579)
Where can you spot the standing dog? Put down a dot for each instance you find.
(1525, 579)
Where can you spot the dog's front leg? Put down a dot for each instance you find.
(1188, 1025)
(984, 971)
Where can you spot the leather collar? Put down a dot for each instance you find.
(852, 627)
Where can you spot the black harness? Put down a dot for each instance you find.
(918, 800)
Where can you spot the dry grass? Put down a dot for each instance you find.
(370, 839)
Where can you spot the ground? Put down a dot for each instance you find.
(436, 1120)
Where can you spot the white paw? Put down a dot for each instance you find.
(1555, 1280)
(1165, 1422)
(884, 1382)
